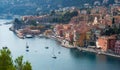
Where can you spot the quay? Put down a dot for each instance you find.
(97, 51)
(67, 45)
(93, 50)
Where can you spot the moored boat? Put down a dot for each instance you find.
(29, 36)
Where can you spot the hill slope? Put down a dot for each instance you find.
(23, 7)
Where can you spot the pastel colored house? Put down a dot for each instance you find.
(117, 47)
(106, 43)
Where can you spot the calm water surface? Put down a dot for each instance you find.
(41, 58)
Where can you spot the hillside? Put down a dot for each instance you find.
(27, 7)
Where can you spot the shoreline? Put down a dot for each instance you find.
(97, 51)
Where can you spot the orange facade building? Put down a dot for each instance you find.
(106, 42)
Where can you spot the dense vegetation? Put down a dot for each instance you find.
(64, 17)
(7, 63)
(111, 30)
(40, 6)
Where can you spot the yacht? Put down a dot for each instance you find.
(29, 36)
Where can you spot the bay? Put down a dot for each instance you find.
(41, 58)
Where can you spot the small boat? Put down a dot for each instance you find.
(99, 53)
(54, 57)
(41, 36)
(29, 36)
(27, 45)
(59, 52)
(46, 47)
(27, 50)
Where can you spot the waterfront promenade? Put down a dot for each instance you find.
(98, 51)
(66, 44)
(93, 50)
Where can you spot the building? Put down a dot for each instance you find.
(102, 43)
(117, 47)
(106, 43)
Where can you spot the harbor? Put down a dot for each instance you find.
(41, 58)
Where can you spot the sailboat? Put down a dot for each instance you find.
(27, 50)
(27, 45)
(54, 57)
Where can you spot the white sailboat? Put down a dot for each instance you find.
(27, 45)
(54, 57)
(27, 50)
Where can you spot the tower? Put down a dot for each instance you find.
(95, 21)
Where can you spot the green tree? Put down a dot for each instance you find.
(33, 22)
(27, 66)
(6, 62)
(22, 66)
(52, 13)
(17, 23)
(19, 63)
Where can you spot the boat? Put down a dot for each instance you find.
(41, 36)
(29, 36)
(46, 47)
(27, 50)
(54, 57)
(27, 45)
(59, 52)
(99, 53)
(11, 29)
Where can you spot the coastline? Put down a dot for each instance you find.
(97, 51)
(66, 45)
